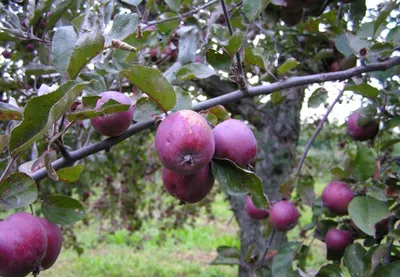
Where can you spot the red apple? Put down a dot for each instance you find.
(336, 196)
(283, 216)
(253, 211)
(54, 243)
(336, 242)
(361, 133)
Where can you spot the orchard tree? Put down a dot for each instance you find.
(81, 77)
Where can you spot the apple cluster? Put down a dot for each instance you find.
(28, 244)
(185, 145)
(337, 195)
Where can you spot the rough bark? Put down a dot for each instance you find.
(277, 135)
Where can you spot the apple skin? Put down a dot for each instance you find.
(253, 211)
(7, 54)
(184, 142)
(336, 242)
(30, 47)
(235, 141)
(336, 196)
(189, 188)
(23, 244)
(283, 216)
(54, 243)
(382, 227)
(359, 133)
(114, 124)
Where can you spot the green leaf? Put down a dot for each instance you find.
(365, 90)
(5, 36)
(391, 270)
(220, 112)
(305, 188)
(394, 35)
(152, 82)
(58, 13)
(63, 210)
(4, 140)
(123, 26)
(217, 60)
(183, 100)
(70, 174)
(252, 8)
(40, 113)
(379, 253)
(318, 97)
(364, 163)
(17, 191)
(348, 44)
(366, 212)
(63, 43)
(289, 64)
(111, 106)
(282, 263)
(10, 112)
(174, 5)
(256, 56)
(354, 259)
(43, 6)
(225, 261)
(277, 98)
(97, 86)
(384, 13)
(133, 2)
(388, 143)
(187, 44)
(169, 25)
(39, 69)
(89, 44)
(194, 70)
(393, 122)
(330, 270)
(238, 181)
(228, 251)
(146, 109)
(234, 43)
(48, 157)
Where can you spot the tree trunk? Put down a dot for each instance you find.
(278, 129)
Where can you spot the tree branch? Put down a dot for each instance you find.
(319, 128)
(221, 100)
(241, 78)
(155, 22)
(261, 261)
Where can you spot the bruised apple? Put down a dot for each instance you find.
(189, 188)
(23, 245)
(235, 141)
(113, 124)
(184, 142)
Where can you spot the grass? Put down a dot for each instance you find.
(184, 252)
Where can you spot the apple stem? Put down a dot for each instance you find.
(271, 237)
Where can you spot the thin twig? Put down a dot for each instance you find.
(155, 22)
(271, 238)
(239, 65)
(10, 163)
(319, 128)
(221, 100)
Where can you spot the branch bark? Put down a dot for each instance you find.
(221, 100)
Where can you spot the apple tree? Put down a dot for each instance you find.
(119, 95)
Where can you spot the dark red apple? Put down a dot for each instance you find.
(382, 227)
(336, 197)
(30, 47)
(189, 188)
(283, 216)
(54, 243)
(361, 133)
(336, 242)
(253, 211)
(290, 17)
(7, 54)
(23, 245)
(235, 141)
(335, 66)
(154, 53)
(114, 124)
(184, 142)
